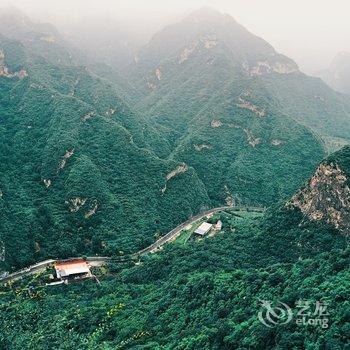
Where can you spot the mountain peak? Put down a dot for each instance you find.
(207, 14)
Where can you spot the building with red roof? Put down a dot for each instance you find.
(72, 269)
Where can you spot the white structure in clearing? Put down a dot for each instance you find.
(218, 226)
(203, 229)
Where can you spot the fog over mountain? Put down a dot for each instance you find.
(310, 32)
(337, 75)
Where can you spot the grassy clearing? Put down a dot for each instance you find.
(186, 234)
(245, 214)
(238, 217)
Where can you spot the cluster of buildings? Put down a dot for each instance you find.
(205, 228)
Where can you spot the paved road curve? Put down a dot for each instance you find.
(100, 260)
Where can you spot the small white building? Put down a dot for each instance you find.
(218, 226)
(203, 229)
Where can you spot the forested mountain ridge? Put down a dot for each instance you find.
(222, 118)
(78, 173)
(210, 52)
(209, 84)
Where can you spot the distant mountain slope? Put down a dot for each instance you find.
(78, 174)
(207, 52)
(106, 40)
(42, 38)
(311, 102)
(218, 94)
(338, 74)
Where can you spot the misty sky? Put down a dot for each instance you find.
(309, 31)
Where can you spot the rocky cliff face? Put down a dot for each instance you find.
(326, 197)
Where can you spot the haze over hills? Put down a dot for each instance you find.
(213, 40)
(338, 74)
(106, 41)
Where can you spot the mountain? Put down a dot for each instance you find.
(79, 171)
(208, 294)
(83, 173)
(316, 218)
(42, 38)
(209, 51)
(338, 74)
(243, 115)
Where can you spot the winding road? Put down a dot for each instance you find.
(101, 260)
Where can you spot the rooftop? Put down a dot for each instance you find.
(203, 228)
(65, 269)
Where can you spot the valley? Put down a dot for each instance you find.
(102, 260)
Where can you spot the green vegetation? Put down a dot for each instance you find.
(204, 295)
(242, 115)
(81, 173)
(78, 175)
(185, 236)
(220, 117)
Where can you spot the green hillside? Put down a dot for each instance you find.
(98, 162)
(241, 114)
(82, 173)
(203, 295)
(78, 174)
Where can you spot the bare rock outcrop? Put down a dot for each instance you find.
(215, 123)
(182, 168)
(251, 107)
(92, 211)
(47, 182)
(202, 146)
(4, 71)
(158, 73)
(75, 204)
(87, 116)
(276, 142)
(205, 42)
(253, 141)
(326, 197)
(265, 67)
(178, 170)
(63, 161)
